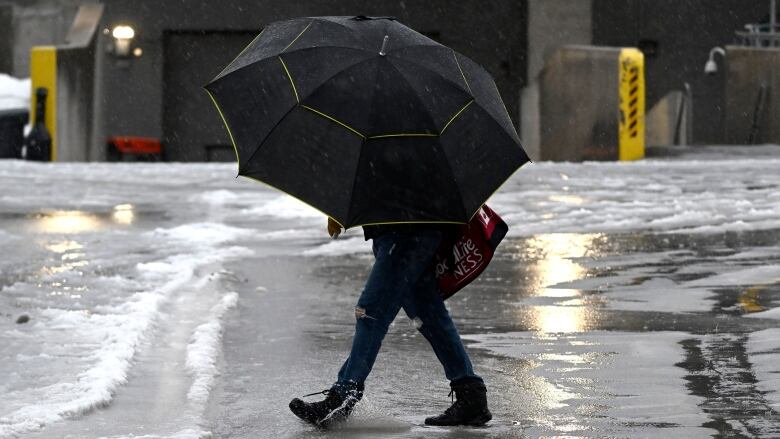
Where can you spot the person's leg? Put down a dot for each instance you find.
(400, 261)
(426, 306)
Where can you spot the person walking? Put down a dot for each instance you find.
(403, 276)
(374, 123)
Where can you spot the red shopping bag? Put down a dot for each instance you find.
(465, 255)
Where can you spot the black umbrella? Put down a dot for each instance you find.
(367, 120)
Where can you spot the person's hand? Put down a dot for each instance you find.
(334, 229)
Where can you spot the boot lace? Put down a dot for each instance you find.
(456, 404)
(325, 392)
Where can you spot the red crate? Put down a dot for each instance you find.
(135, 145)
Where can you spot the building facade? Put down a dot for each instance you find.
(179, 45)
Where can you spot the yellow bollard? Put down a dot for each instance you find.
(631, 137)
(43, 73)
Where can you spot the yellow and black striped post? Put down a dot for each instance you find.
(631, 137)
(43, 73)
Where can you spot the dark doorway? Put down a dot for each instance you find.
(192, 128)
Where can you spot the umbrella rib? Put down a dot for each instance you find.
(423, 66)
(406, 80)
(500, 185)
(296, 38)
(251, 156)
(410, 222)
(333, 119)
(502, 101)
(242, 52)
(295, 90)
(314, 89)
(473, 97)
(455, 116)
(354, 183)
(382, 136)
(360, 155)
(455, 55)
(289, 52)
(224, 121)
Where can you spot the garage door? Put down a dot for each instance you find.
(192, 128)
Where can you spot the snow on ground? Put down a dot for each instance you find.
(14, 93)
(96, 283)
(764, 274)
(203, 350)
(666, 196)
(77, 353)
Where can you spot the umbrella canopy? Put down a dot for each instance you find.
(367, 120)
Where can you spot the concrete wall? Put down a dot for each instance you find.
(6, 38)
(33, 23)
(747, 70)
(492, 33)
(551, 24)
(76, 66)
(579, 104)
(683, 33)
(555, 23)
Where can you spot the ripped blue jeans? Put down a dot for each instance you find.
(403, 276)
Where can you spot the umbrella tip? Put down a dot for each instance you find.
(384, 45)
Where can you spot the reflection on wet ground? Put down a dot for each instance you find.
(577, 335)
(79, 221)
(62, 239)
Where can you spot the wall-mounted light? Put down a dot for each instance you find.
(123, 36)
(711, 67)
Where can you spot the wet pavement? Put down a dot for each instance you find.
(576, 335)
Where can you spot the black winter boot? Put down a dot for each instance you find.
(333, 409)
(470, 406)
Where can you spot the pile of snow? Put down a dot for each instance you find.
(14, 93)
(204, 234)
(662, 196)
(285, 207)
(203, 350)
(91, 351)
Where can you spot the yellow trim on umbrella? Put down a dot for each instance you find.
(382, 136)
(502, 101)
(295, 90)
(390, 223)
(454, 55)
(337, 221)
(497, 189)
(242, 52)
(287, 193)
(224, 121)
(296, 38)
(456, 115)
(334, 120)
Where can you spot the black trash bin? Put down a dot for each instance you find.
(12, 124)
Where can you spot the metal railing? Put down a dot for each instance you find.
(759, 35)
(762, 35)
